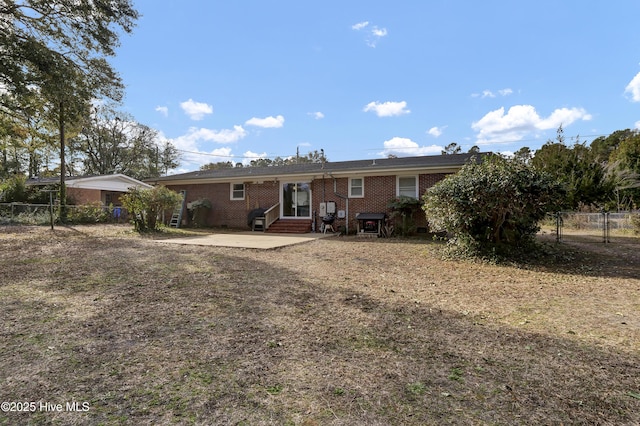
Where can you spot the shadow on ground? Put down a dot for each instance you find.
(150, 334)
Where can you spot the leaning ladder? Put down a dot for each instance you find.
(176, 217)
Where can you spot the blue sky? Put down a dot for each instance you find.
(235, 80)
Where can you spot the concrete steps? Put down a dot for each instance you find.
(290, 226)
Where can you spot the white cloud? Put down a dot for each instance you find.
(317, 115)
(436, 131)
(249, 155)
(359, 25)
(637, 124)
(379, 32)
(521, 120)
(373, 35)
(224, 135)
(163, 110)
(489, 94)
(404, 147)
(219, 154)
(633, 88)
(387, 109)
(193, 156)
(267, 122)
(195, 135)
(564, 116)
(196, 110)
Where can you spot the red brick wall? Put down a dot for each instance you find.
(378, 190)
(84, 196)
(224, 210)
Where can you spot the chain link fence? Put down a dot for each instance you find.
(604, 227)
(40, 214)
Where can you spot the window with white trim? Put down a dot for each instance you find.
(356, 187)
(237, 191)
(407, 186)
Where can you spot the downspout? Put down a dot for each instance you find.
(324, 195)
(335, 191)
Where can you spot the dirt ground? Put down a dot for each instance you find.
(341, 331)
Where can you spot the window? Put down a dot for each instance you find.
(408, 186)
(237, 191)
(356, 187)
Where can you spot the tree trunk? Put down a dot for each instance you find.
(5, 166)
(63, 187)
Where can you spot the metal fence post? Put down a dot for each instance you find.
(605, 227)
(558, 227)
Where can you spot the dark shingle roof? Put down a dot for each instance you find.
(357, 166)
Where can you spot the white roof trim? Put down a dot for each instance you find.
(117, 182)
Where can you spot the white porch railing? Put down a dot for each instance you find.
(271, 215)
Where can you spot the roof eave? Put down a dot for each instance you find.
(316, 174)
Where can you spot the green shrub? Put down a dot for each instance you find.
(37, 217)
(88, 213)
(145, 206)
(491, 204)
(13, 190)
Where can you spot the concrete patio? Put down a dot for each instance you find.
(253, 240)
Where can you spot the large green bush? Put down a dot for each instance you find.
(13, 190)
(495, 202)
(93, 212)
(146, 205)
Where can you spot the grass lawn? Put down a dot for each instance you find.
(338, 331)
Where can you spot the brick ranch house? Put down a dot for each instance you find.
(297, 196)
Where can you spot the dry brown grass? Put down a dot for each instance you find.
(336, 331)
